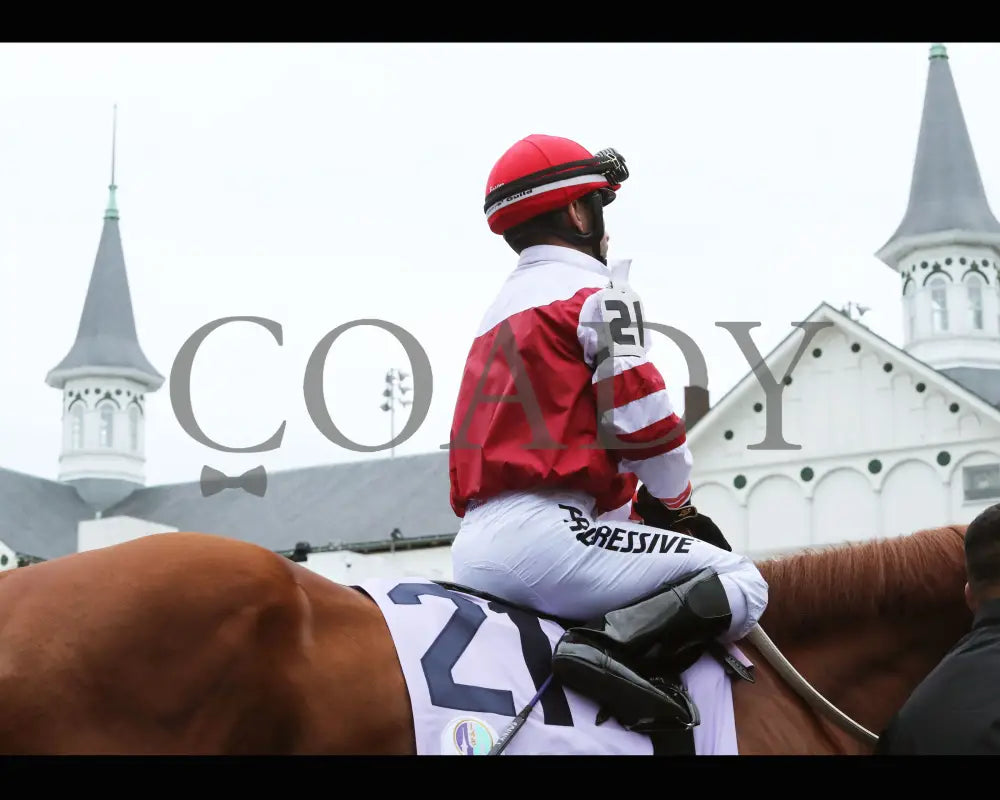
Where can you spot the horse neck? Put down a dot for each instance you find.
(865, 623)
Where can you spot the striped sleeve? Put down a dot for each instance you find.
(636, 414)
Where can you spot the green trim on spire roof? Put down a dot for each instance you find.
(111, 212)
(939, 51)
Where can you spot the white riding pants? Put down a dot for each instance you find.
(545, 550)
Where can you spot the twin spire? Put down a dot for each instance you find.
(947, 198)
(106, 341)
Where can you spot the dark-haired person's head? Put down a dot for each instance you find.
(982, 557)
(551, 190)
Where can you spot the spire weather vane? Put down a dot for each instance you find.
(112, 210)
(851, 307)
(114, 132)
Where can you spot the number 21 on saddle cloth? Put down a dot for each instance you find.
(471, 664)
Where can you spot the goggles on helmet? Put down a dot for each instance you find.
(608, 163)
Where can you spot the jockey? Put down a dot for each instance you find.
(559, 415)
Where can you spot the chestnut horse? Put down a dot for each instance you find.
(187, 643)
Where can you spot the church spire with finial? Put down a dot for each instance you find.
(105, 378)
(112, 210)
(947, 247)
(947, 197)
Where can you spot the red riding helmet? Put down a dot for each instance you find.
(542, 173)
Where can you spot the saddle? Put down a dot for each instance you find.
(630, 660)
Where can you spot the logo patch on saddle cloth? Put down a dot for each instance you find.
(467, 736)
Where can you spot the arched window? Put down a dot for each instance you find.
(133, 428)
(106, 433)
(76, 426)
(939, 305)
(975, 290)
(911, 312)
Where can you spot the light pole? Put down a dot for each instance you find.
(395, 393)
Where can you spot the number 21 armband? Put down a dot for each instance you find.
(620, 329)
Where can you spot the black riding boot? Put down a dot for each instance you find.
(608, 659)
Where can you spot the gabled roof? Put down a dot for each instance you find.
(353, 503)
(106, 341)
(361, 506)
(39, 517)
(786, 348)
(946, 190)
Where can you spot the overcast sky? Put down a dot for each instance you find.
(319, 184)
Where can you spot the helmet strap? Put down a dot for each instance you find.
(556, 224)
(591, 239)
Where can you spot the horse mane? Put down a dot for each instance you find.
(822, 588)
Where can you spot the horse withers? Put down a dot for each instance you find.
(189, 643)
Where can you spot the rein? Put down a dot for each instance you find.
(805, 690)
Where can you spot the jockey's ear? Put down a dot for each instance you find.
(970, 599)
(579, 215)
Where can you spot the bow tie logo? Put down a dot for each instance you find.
(253, 481)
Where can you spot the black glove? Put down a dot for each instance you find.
(686, 519)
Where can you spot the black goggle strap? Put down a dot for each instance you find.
(612, 165)
(607, 163)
